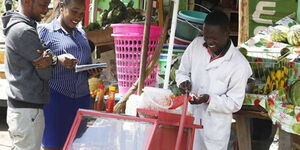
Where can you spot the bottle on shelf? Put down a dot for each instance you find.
(110, 102)
(99, 100)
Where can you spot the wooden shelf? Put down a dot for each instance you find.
(101, 37)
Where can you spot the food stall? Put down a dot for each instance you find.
(268, 100)
(273, 58)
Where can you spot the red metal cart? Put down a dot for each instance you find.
(94, 130)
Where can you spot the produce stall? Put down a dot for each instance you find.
(273, 55)
(268, 96)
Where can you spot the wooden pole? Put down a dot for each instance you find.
(243, 34)
(144, 51)
(243, 132)
(161, 13)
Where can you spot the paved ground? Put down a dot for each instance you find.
(5, 142)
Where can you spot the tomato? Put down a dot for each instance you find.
(298, 117)
(256, 102)
(271, 102)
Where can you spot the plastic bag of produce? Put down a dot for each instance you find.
(156, 99)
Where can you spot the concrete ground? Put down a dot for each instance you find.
(5, 142)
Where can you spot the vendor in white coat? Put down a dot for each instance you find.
(217, 73)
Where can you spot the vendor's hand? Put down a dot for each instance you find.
(95, 71)
(199, 99)
(185, 86)
(67, 60)
(44, 61)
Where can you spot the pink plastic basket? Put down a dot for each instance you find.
(128, 45)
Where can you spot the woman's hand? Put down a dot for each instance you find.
(95, 71)
(67, 60)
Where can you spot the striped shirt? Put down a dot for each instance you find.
(66, 81)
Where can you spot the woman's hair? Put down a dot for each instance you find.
(56, 10)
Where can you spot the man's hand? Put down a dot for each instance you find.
(202, 98)
(67, 60)
(185, 87)
(43, 61)
(95, 71)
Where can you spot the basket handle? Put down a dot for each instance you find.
(192, 25)
(203, 7)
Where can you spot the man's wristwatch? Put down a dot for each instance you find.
(54, 57)
(54, 60)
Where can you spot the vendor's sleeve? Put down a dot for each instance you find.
(184, 70)
(27, 47)
(232, 100)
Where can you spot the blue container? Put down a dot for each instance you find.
(189, 24)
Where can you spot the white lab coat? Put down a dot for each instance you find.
(225, 80)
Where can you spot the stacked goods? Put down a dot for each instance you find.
(276, 79)
(117, 13)
(286, 35)
(279, 34)
(293, 35)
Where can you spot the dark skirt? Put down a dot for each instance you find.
(59, 117)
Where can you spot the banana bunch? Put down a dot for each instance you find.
(276, 80)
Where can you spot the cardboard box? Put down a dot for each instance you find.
(101, 37)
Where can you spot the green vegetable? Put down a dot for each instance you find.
(175, 90)
(279, 34)
(130, 4)
(296, 127)
(293, 36)
(92, 26)
(260, 44)
(103, 18)
(294, 94)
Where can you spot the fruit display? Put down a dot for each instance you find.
(268, 75)
(276, 79)
(275, 82)
(293, 35)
